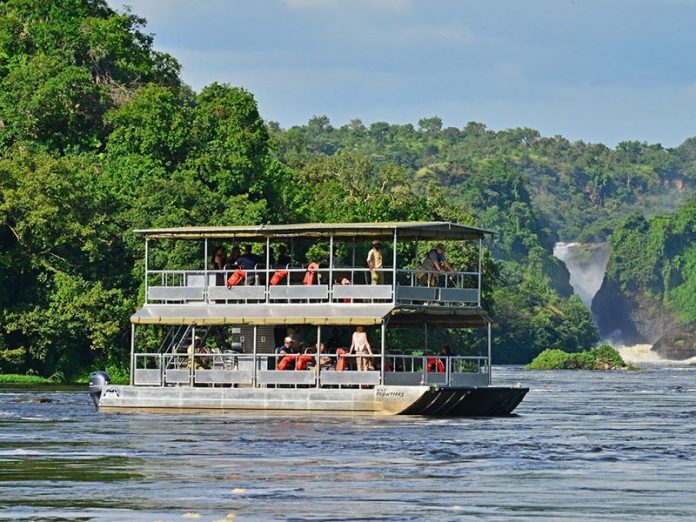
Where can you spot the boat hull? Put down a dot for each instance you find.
(381, 400)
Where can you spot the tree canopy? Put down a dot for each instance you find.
(99, 136)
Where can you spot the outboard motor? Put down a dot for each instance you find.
(97, 381)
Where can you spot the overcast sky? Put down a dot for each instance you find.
(596, 70)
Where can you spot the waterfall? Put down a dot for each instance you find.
(586, 263)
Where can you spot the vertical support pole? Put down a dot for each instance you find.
(489, 353)
(480, 252)
(192, 358)
(268, 270)
(448, 370)
(352, 264)
(205, 268)
(383, 345)
(331, 281)
(394, 269)
(424, 358)
(256, 363)
(318, 366)
(146, 267)
(132, 348)
(415, 263)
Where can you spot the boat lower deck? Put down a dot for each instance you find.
(380, 400)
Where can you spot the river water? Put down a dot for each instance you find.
(584, 446)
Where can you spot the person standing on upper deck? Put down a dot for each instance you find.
(247, 262)
(375, 263)
(436, 260)
(217, 263)
(232, 259)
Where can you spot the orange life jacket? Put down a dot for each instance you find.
(342, 362)
(435, 364)
(286, 362)
(237, 277)
(311, 274)
(278, 277)
(302, 362)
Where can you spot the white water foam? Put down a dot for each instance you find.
(643, 353)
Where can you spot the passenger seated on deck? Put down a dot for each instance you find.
(196, 349)
(283, 351)
(361, 346)
(283, 258)
(325, 362)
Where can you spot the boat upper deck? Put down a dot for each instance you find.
(289, 289)
(385, 231)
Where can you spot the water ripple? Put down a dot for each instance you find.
(585, 446)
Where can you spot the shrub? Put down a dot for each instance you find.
(603, 357)
(11, 360)
(15, 378)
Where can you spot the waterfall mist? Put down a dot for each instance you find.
(587, 263)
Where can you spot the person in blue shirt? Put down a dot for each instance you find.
(288, 347)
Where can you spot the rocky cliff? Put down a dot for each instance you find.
(639, 318)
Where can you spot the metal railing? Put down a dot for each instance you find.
(294, 284)
(300, 370)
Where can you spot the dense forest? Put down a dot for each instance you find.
(100, 136)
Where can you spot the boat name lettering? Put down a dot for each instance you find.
(385, 394)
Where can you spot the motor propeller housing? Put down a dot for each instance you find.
(97, 381)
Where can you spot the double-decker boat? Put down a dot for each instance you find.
(207, 339)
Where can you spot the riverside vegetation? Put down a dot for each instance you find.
(99, 136)
(603, 357)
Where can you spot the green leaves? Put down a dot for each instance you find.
(63, 65)
(56, 105)
(657, 258)
(155, 123)
(603, 357)
(230, 152)
(75, 314)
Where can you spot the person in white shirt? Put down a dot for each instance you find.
(361, 347)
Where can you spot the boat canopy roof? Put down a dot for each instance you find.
(405, 230)
(404, 316)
